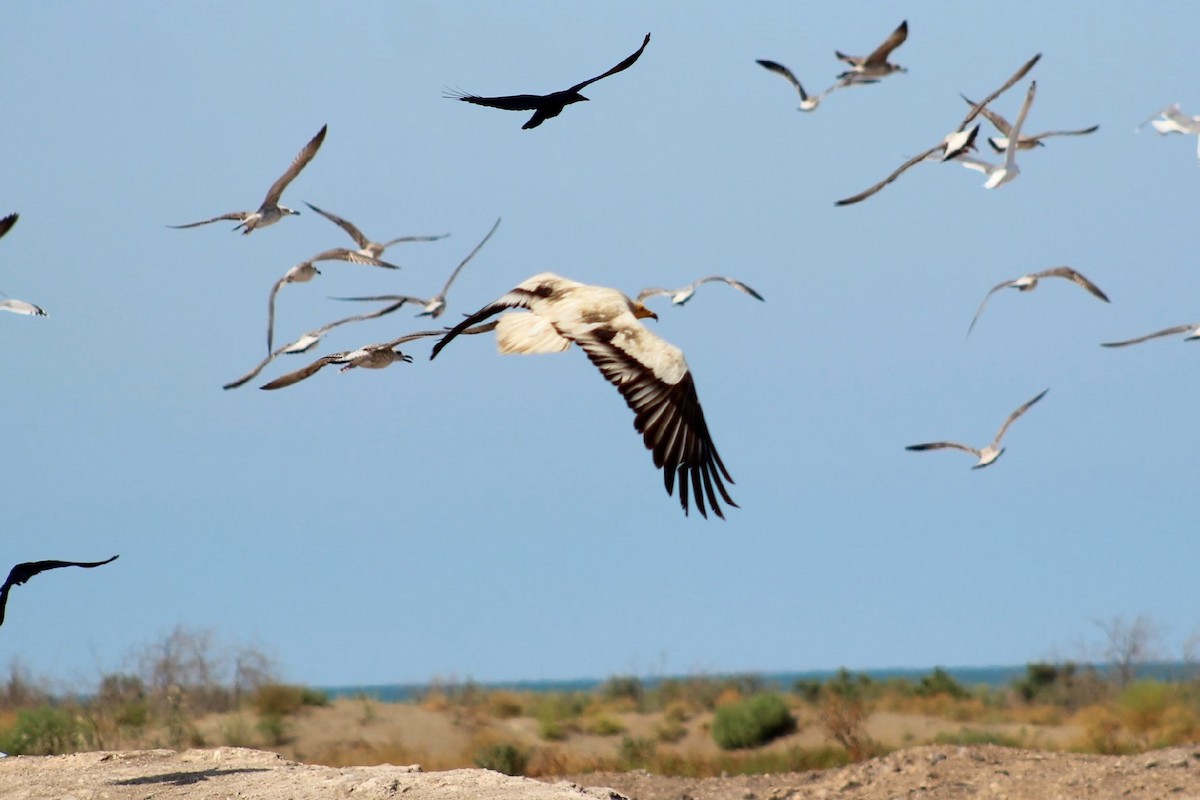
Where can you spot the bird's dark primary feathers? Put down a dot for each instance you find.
(23, 572)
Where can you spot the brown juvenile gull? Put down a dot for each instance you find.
(12, 304)
(876, 65)
(545, 106)
(368, 250)
(988, 453)
(650, 373)
(308, 340)
(953, 144)
(683, 294)
(809, 102)
(1027, 283)
(434, 306)
(371, 356)
(23, 572)
(1193, 327)
(270, 211)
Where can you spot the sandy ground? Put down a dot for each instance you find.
(937, 773)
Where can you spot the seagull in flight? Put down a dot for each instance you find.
(371, 356)
(10, 304)
(23, 572)
(1000, 143)
(989, 453)
(545, 106)
(303, 272)
(651, 374)
(434, 306)
(810, 102)
(876, 65)
(308, 340)
(1175, 121)
(1193, 330)
(270, 211)
(1000, 174)
(369, 251)
(954, 144)
(1027, 283)
(682, 295)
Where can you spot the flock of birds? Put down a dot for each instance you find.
(651, 374)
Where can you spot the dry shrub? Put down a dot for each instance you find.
(505, 705)
(1180, 725)
(603, 725)
(361, 753)
(1101, 731)
(435, 700)
(670, 730)
(727, 697)
(1142, 706)
(844, 720)
(1036, 715)
(548, 761)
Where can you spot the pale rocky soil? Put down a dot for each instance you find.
(934, 772)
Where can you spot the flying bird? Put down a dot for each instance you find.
(270, 211)
(876, 65)
(1000, 143)
(682, 295)
(23, 572)
(434, 306)
(1175, 121)
(1027, 283)
(988, 453)
(308, 340)
(303, 272)
(11, 304)
(545, 106)
(953, 144)
(650, 373)
(1006, 171)
(368, 249)
(371, 356)
(1193, 327)
(810, 102)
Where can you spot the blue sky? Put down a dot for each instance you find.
(497, 517)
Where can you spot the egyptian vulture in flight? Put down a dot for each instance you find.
(651, 374)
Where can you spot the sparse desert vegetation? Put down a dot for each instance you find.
(190, 690)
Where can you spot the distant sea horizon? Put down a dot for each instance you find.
(991, 677)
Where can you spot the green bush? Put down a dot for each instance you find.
(940, 682)
(277, 699)
(1143, 705)
(971, 736)
(850, 685)
(44, 731)
(502, 757)
(604, 725)
(753, 722)
(636, 753)
(622, 687)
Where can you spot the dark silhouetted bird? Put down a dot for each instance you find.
(545, 106)
(23, 572)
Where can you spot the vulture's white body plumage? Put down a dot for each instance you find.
(651, 374)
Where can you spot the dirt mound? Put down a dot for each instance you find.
(229, 772)
(938, 773)
(946, 773)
